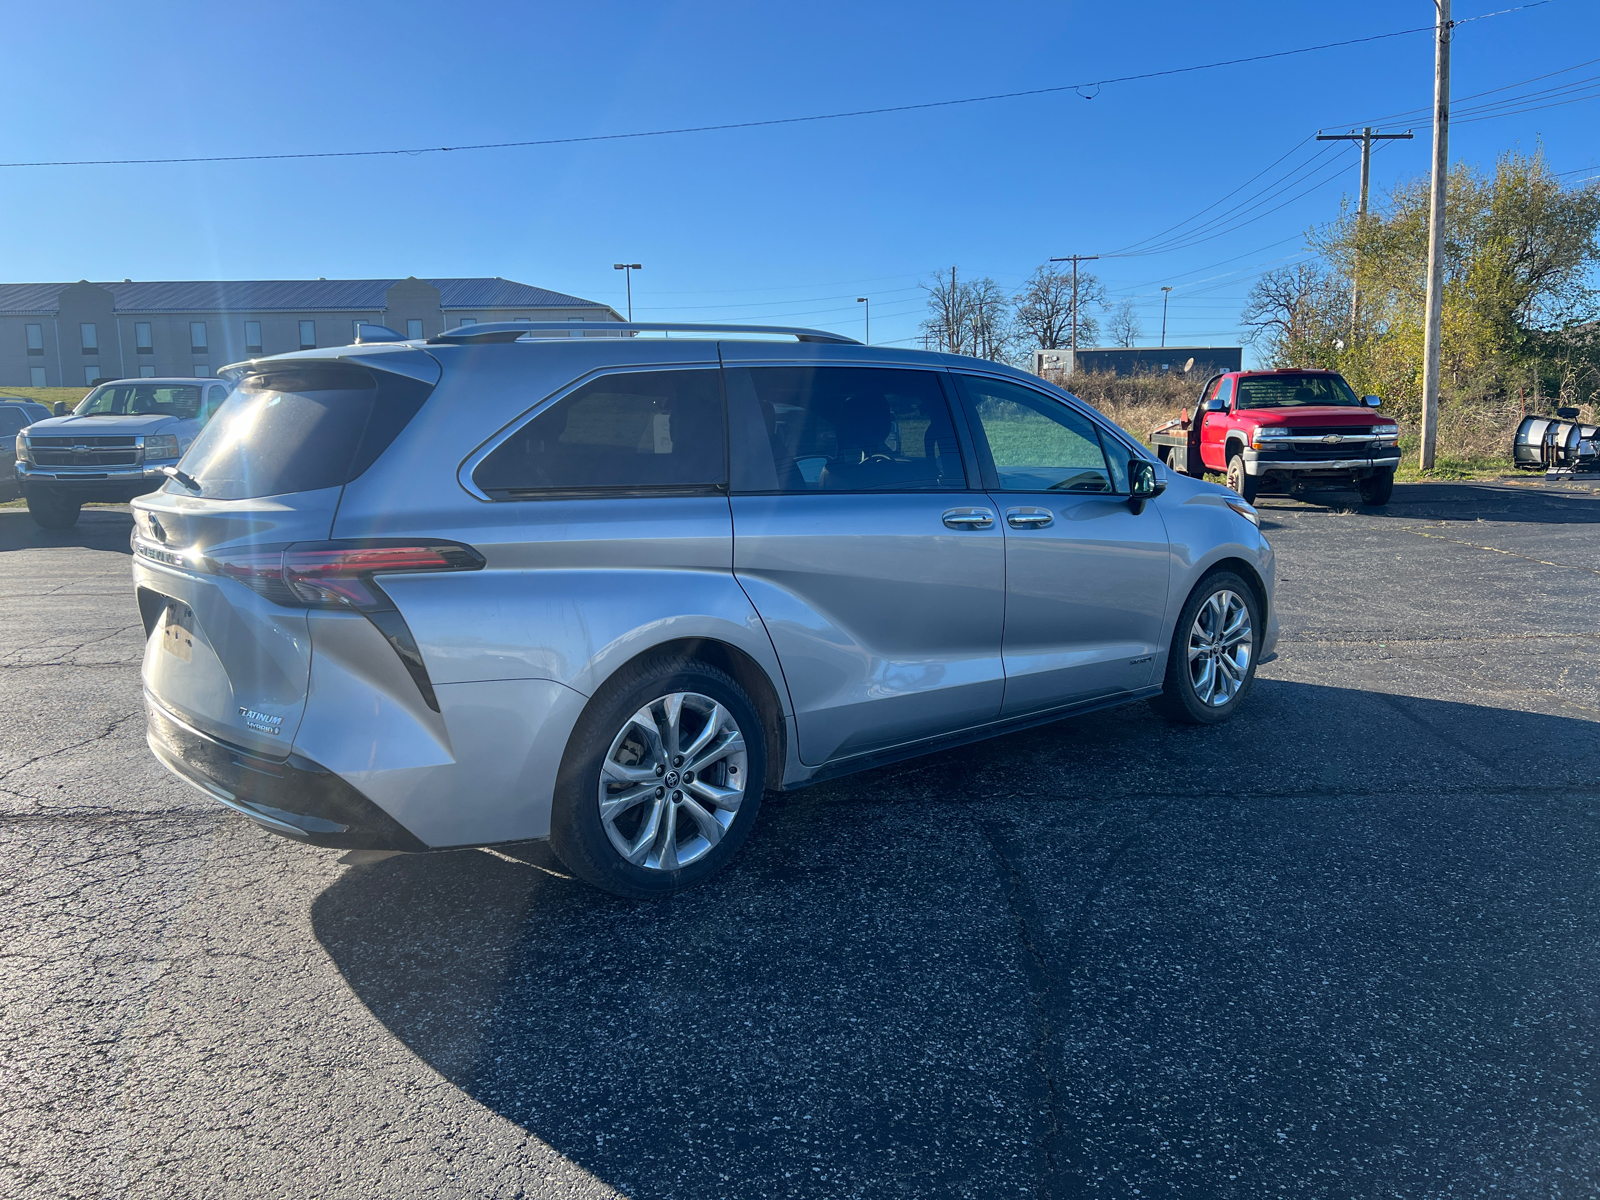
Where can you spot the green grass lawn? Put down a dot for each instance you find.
(47, 396)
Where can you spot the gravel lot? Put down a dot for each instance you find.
(1344, 946)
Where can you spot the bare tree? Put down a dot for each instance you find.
(1044, 309)
(991, 321)
(949, 312)
(1295, 311)
(968, 317)
(1123, 324)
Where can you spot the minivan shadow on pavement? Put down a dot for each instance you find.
(1342, 945)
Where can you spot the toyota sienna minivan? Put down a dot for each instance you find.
(606, 589)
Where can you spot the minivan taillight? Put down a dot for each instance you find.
(336, 574)
(340, 575)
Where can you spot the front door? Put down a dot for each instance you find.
(876, 565)
(1214, 425)
(1086, 577)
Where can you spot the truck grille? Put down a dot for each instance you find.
(88, 452)
(1348, 431)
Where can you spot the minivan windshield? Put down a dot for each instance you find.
(1295, 391)
(140, 399)
(299, 429)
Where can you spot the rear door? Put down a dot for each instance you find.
(875, 564)
(1086, 577)
(233, 657)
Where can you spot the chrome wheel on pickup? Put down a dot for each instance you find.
(1212, 661)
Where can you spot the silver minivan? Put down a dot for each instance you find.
(510, 584)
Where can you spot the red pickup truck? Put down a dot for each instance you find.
(1283, 430)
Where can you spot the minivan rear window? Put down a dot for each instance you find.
(299, 429)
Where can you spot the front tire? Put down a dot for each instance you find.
(1212, 662)
(661, 781)
(51, 512)
(1244, 485)
(1377, 487)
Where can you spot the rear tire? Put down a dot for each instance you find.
(51, 512)
(1377, 487)
(1243, 484)
(661, 781)
(1212, 661)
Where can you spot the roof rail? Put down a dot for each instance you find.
(510, 331)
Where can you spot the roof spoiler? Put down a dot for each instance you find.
(510, 331)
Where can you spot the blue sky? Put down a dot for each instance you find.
(786, 223)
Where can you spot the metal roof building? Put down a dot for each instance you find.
(69, 334)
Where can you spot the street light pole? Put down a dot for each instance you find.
(1166, 294)
(868, 311)
(628, 269)
(1441, 171)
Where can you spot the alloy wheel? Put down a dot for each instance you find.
(1220, 645)
(672, 781)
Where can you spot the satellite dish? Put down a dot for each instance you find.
(1188, 366)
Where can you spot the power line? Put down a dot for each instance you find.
(1093, 86)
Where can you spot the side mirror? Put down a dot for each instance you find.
(1371, 401)
(1143, 483)
(60, 408)
(1216, 404)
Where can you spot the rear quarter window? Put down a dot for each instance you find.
(300, 429)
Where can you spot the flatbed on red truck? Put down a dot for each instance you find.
(1283, 430)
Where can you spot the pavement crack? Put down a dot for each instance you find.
(1021, 906)
(1491, 549)
(101, 736)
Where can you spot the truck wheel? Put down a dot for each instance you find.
(49, 512)
(1212, 662)
(1244, 485)
(1377, 487)
(661, 780)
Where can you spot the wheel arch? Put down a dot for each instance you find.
(1246, 572)
(749, 675)
(1235, 443)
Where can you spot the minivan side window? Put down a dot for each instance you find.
(625, 432)
(1038, 444)
(841, 429)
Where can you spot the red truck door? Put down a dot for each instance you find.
(1215, 425)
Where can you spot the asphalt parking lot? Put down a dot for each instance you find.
(1344, 946)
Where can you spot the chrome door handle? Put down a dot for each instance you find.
(969, 518)
(1029, 518)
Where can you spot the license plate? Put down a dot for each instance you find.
(177, 631)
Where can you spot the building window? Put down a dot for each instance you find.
(522, 321)
(90, 374)
(197, 337)
(36, 342)
(36, 376)
(141, 337)
(575, 321)
(252, 337)
(308, 335)
(147, 371)
(413, 329)
(467, 321)
(91, 339)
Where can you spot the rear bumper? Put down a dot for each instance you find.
(1257, 462)
(294, 797)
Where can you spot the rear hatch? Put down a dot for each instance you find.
(228, 645)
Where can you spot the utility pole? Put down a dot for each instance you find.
(1075, 259)
(1441, 172)
(868, 303)
(1166, 294)
(1366, 137)
(628, 269)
